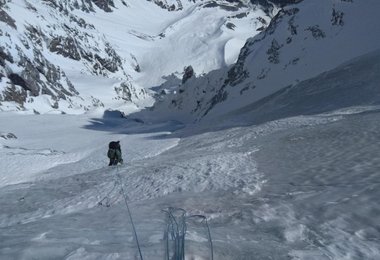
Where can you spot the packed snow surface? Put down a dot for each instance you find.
(301, 188)
(303, 184)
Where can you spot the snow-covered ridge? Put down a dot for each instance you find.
(71, 56)
(302, 41)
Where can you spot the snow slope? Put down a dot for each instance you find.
(50, 49)
(300, 185)
(302, 41)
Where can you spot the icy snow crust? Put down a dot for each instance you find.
(292, 187)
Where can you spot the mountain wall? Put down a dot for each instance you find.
(73, 55)
(302, 41)
(40, 41)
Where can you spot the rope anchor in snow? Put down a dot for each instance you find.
(177, 222)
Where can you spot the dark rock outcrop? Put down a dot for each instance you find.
(5, 18)
(18, 80)
(187, 74)
(65, 46)
(83, 5)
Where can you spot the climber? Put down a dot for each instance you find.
(114, 153)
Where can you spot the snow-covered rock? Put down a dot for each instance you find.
(49, 48)
(302, 41)
(290, 181)
(39, 42)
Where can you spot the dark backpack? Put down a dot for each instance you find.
(114, 145)
(111, 153)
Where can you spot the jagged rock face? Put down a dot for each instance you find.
(235, 5)
(33, 78)
(188, 73)
(23, 76)
(128, 92)
(83, 5)
(240, 75)
(198, 96)
(302, 41)
(276, 2)
(228, 5)
(173, 5)
(26, 73)
(79, 43)
(268, 6)
(5, 18)
(37, 55)
(65, 47)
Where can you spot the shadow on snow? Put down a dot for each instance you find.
(354, 83)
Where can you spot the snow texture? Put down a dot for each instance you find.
(301, 42)
(300, 183)
(56, 48)
(282, 159)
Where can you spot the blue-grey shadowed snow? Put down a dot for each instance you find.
(332, 173)
(305, 190)
(117, 123)
(354, 83)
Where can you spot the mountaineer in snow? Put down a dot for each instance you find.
(114, 153)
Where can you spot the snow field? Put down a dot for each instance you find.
(332, 187)
(141, 33)
(297, 185)
(235, 177)
(64, 144)
(296, 48)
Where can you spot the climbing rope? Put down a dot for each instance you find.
(176, 224)
(129, 212)
(106, 200)
(204, 220)
(107, 197)
(176, 228)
